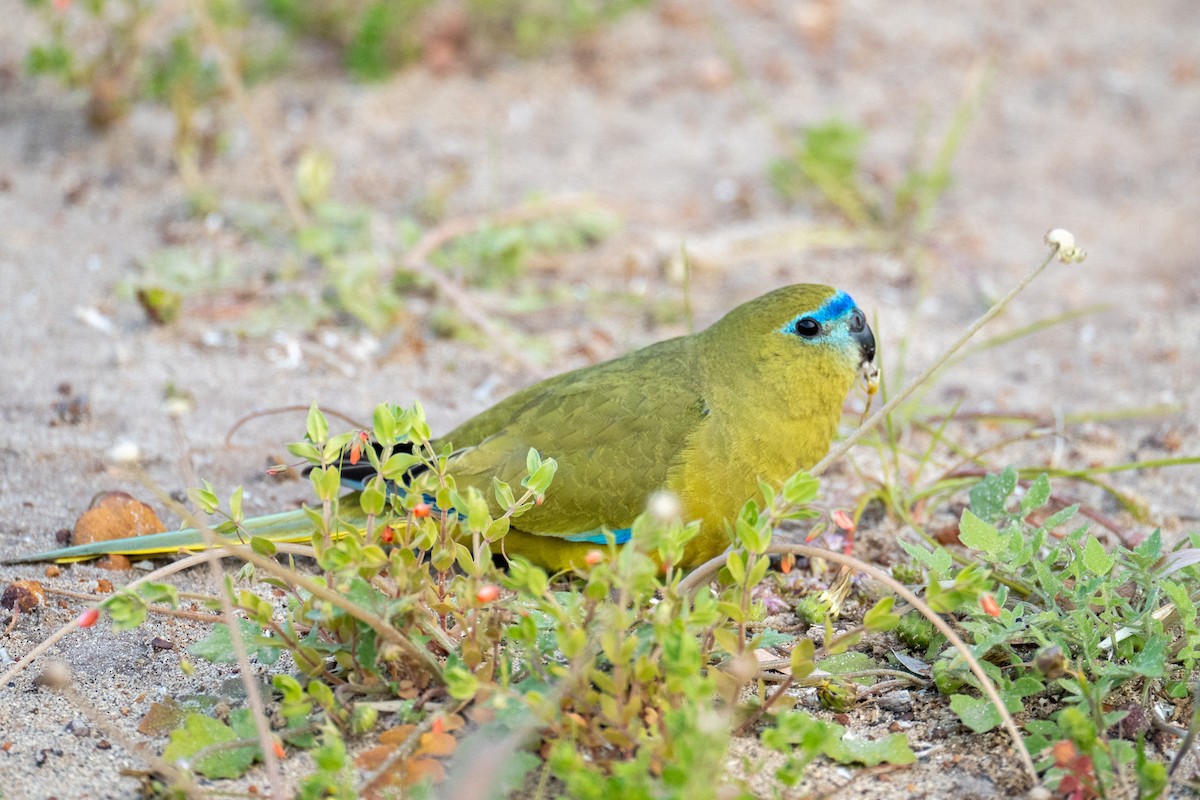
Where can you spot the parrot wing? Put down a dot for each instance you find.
(616, 430)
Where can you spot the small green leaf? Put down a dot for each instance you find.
(334, 449)
(980, 535)
(478, 516)
(1152, 776)
(881, 617)
(305, 450)
(799, 730)
(1151, 661)
(1059, 517)
(988, 496)
(850, 661)
(753, 536)
(126, 610)
(383, 423)
(235, 505)
(937, 561)
(736, 566)
(801, 489)
(758, 570)
(976, 713)
(217, 647)
(890, 749)
(373, 498)
(504, 494)
(263, 546)
(206, 498)
(200, 732)
(1037, 495)
(1150, 548)
(398, 464)
(1077, 726)
(460, 682)
(1095, 558)
(316, 426)
(160, 593)
(802, 659)
(497, 529)
(539, 480)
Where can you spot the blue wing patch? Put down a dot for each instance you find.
(619, 536)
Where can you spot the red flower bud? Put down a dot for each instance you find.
(843, 520)
(488, 593)
(421, 510)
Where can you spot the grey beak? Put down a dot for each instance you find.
(866, 342)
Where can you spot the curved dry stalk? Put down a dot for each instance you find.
(266, 412)
(17, 668)
(710, 568)
(870, 423)
(181, 780)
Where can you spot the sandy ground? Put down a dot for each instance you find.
(1092, 123)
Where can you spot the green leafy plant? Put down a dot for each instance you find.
(377, 37)
(630, 682)
(629, 678)
(823, 165)
(1081, 623)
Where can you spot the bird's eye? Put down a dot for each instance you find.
(807, 327)
(858, 321)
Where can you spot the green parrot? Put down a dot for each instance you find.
(756, 396)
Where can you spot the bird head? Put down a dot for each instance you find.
(808, 328)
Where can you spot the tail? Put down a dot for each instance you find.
(288, 526)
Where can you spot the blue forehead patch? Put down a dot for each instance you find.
(836, 307)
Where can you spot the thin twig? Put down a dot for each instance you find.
(266, 739)
(195, 616)
(870, 423)
(321, 590)
(58, 635)
(180, 779)
(1193, 729)
(266, 412)
(279, 788)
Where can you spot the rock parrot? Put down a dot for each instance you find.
(756, 396)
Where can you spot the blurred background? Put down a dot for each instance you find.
(217, 208)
